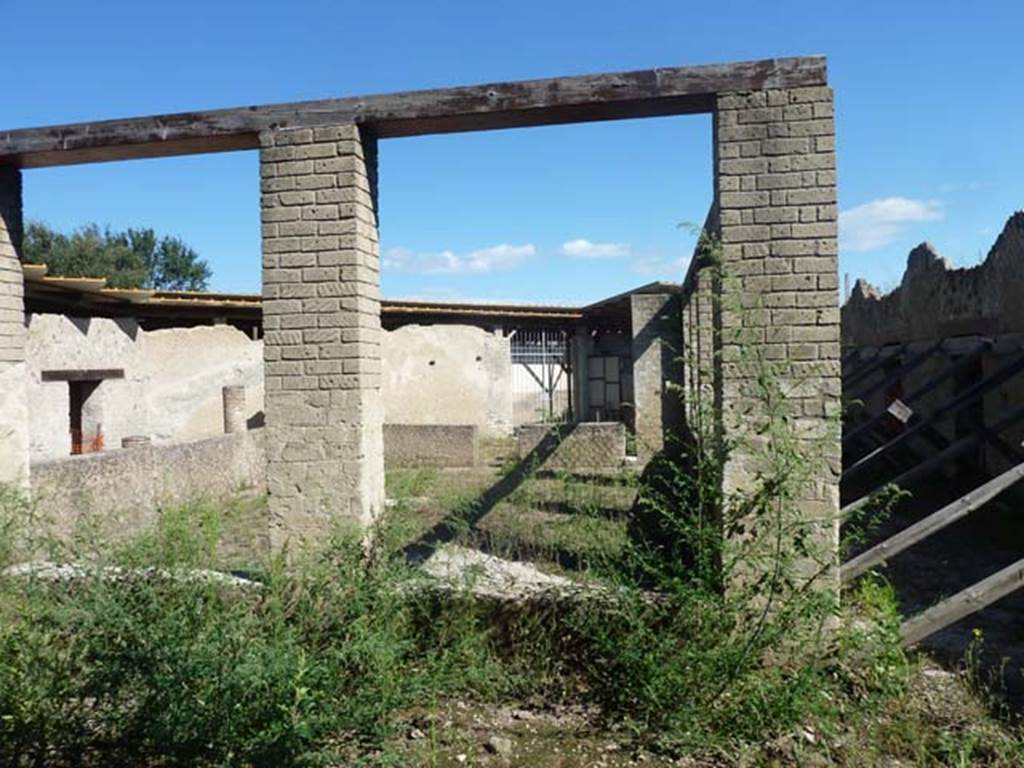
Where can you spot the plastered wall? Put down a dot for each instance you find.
(171, 390)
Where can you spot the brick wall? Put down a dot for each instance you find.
(588, 445)
(430, 445)
(776, 200)
(321, 310)
(13, 402)
(126, 488)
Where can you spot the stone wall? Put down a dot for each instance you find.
(588, 445)
(430, 445)
(171, 389)
(14, 463)
(448, 374)
(130, 486)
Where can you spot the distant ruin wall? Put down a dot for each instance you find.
(132, 484)
(936, 301)
(430, 445)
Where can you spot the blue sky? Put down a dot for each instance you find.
(929, 125)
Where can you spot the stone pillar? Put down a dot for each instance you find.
(321, 314)
(657, 370)
(234, 409)
(775, 188)
(14, 433)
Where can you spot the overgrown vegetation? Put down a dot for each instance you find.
(714, 629)
(134, 258)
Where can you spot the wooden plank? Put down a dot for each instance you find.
(935, 522)
(963, 604)
(644, 93)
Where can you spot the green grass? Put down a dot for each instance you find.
(317, 666)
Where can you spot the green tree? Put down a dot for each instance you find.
(135, 258)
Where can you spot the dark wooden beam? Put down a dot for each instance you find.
(645, 93)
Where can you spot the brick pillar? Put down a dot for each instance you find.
(657, 370)
(14, 451)
(775, 188)
(321, 315)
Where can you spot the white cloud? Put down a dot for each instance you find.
(877, 223)
(492, 259)
(672, 270)
(584, 249)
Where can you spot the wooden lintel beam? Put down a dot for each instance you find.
(645, 93)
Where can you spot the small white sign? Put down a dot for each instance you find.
(900, 410)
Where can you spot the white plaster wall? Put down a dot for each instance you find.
(438, 374)
(185, 370)
(172, 385)
(56, 342)
(448, 374)
(13, 421)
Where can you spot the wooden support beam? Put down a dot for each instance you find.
(967, 398)
(903, 370)
(963, 604)
(918, 393)
(935, 522)
(645, 93)
(957, 449)
(862, 372)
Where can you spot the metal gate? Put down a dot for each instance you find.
(541, 376)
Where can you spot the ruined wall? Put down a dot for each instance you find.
(448, 374)
(126, 488)
(171, 390)
(934, 300)
(961, 310)
(14, 463)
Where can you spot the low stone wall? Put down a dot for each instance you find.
(132, 484)
(589, 445)
(430, 445)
